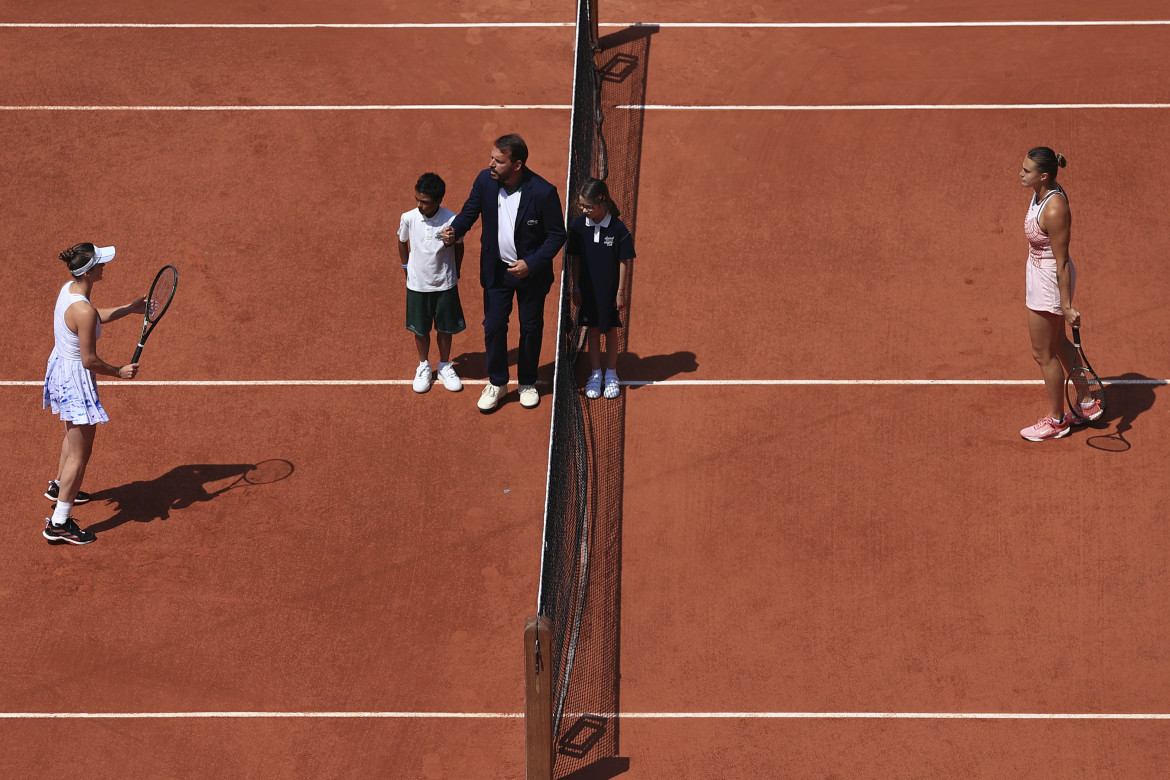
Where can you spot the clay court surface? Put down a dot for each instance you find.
(836, 577)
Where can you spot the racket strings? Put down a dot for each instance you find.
(160, 295)
(1083, 383)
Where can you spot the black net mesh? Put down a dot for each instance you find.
(581, 569)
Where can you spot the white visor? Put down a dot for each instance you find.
(102, 254)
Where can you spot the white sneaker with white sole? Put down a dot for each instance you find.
(529, 397)
(449, 378)
(423, 377)
(489, 397)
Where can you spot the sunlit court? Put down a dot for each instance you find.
(802, 533)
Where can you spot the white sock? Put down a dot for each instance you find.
(61, 513)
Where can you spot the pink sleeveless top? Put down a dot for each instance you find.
(1039, 245)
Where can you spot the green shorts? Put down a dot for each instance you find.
(441, 308)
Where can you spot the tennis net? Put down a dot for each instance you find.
(580, 597)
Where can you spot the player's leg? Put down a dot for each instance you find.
(1046, 331)
(419, 316)
(448, 321)
(78, 447)
(613, 345)
(497, 310)
(530, 298)
(422, 345)
(593, 339)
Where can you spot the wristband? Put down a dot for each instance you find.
(404, 265)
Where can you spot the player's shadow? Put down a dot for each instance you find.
(639, 370)
(656, 368)
(1129, 395)
(179, 488)
(473, 365)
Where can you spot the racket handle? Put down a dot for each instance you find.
(137, 354)
(1076, 336)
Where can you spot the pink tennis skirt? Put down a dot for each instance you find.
(1043, 290)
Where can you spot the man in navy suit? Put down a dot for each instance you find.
(523, 230)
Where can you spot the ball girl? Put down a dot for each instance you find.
(70, 389)
(600, 250)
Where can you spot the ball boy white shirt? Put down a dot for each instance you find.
(431, 267)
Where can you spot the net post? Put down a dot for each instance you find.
(538, 699)
(594, 34)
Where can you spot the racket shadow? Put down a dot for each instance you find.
(144, 501)
(1130, 395)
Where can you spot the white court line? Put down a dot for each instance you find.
(630, 106)
(898, 107)
(250, 382)
(627, 382)
(283, 26)
(374, 107)
(608, 25)
(898, 25)
(624, 715)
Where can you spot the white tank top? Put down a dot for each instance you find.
(66, 343)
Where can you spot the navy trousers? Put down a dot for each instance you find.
(497, 310)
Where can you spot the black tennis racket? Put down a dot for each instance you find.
(1082, 387)
(157, 303)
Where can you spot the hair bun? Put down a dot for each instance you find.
(68, 254)
(1060, 160)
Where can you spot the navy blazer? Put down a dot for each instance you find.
(540, 228)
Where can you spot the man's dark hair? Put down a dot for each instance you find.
(431, 185)
(514, 145)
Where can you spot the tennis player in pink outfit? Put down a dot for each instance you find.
(1051, 279)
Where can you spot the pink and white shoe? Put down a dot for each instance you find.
(1047, 428)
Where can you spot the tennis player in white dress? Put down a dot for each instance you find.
(70, 390)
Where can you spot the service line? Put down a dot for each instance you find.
(607, 25)
(899, 107)
(629, 106)
(372, 107)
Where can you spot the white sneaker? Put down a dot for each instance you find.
(612, 387)
(423, 377)
(593, 386)
(449, 378)
(529, 397)
(489, 398)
